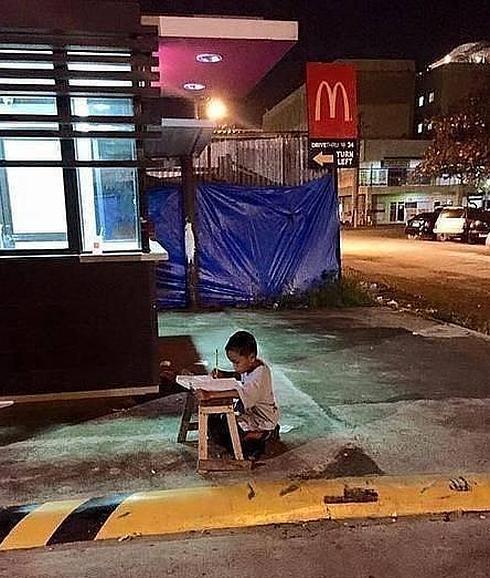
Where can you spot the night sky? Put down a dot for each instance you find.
(416, 29)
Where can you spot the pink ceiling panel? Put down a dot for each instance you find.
(244, 64)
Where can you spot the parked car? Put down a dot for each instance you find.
(422, 225)
(462, 223)
(479, 227)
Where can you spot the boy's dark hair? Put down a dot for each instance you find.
(243, 343)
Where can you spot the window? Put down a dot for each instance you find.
(100, 106)
(420, 128)
(397, 212)
(32, 200)
(431, 96)
(108, 196)
(421, 100)
(11, 104)
(86, 165)
(109, 208)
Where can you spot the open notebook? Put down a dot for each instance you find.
(207, 382)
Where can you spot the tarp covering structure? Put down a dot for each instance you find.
(254, 244)
(166, 213)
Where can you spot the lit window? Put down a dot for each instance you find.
(93, 127)
(420, 128)
(99, 66)
(431, 96)
(34, 187)
(105, 149)
(27, 65)
(109, 205)
(27, 104)
(32, 199)
(100, 106)
(429, 126)
(421, 100)
(22, 81)
(99, 82)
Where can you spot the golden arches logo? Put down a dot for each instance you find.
(332, 100)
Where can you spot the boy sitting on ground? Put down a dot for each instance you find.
(257, 409)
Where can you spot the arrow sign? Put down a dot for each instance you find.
(323, 159)
(340, 153)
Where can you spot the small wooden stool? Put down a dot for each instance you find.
(206, 408)
(186, 424)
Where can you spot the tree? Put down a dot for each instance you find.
(461, 147)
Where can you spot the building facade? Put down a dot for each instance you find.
(81, 96)
(387, 188)
(448, 84)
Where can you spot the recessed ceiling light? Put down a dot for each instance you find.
(194, 86)
(209, 58)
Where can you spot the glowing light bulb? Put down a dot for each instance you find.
(216, 109)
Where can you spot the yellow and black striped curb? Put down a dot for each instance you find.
(250, 504)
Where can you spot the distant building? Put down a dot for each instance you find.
(448, 83)
(386, 91)
(393, 103)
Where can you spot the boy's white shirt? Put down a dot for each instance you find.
(257, 395)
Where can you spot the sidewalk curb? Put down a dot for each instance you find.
(244, 505)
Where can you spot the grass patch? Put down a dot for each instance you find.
(348, 291)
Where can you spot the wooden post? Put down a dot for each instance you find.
(189, 202)
(355, 197)
(335, 176)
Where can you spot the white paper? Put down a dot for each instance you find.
(207, 382)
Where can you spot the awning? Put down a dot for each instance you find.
(218, 56)
(178, 137)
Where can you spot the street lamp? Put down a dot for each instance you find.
(216, 109)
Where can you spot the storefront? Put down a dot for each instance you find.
(76, 297)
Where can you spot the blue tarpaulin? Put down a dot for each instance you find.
(254, 244)
(165, 212)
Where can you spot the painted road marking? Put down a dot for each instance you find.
(84, 523)
(37, 527)
(218, 507)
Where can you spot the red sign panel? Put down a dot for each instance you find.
(331, 91)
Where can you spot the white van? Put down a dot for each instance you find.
(464, 223)
(451, 223)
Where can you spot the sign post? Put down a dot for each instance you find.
(331, 92)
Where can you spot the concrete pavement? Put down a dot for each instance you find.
(402, 394)
(362, 392)
(437, 546)
(452, 279)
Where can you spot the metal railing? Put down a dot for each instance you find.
(398, 177)
(258, 158)
(391, 177)
(280, 159)
(251, 159)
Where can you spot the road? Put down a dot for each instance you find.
(397, 548)
(452, 278)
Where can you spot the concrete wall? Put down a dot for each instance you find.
(289, 114)
(69, 326)
(373, 150)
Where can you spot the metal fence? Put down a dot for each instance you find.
(251, 159)
(276, 159)
(399, 176)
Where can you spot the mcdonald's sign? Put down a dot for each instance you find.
(331, 91)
